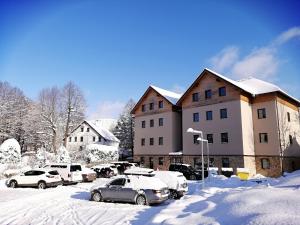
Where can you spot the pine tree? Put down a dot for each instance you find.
(124, 128)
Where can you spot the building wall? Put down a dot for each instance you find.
(232, 125)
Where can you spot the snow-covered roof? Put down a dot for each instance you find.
(105, 133)
(169, 95)
(254, 86)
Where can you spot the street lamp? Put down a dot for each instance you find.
(207, 148)
(191, 130)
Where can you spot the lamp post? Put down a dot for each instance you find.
(207, 148)
(191, 130)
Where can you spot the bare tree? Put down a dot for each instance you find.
(49, 103)
(73, 108)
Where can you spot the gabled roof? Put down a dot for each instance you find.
(250, 85)
(103, 132)
(170, 96)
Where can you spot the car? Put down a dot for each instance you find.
(140, 190)
(187, 170)
(88, 175)
(69, 172)
(121, 166)
(105, 170)
(40, 178)
(175, 181)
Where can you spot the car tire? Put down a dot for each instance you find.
(96, 196)
(13, 184)
(192, 177)
(141, 200)
(41, 185)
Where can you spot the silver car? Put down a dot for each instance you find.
(135, 189)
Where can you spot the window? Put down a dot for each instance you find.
(224, 137)
(209, 115)
(210, 138)
(94, 138)
(160, 122)
(74, 168)
(143, 108)
(88, 129)
(70, 139)
(223, 113)
(151, 141)
(160, 104)
(160, 161)
(151, 162)
(142, 141)
(196, 136)
(225, 162)
(151, 106)
(143, 124)
(195, 97)
(261, 113)
(208, 94)
(222, 91)
(265, 163)
(82, 129)
(211, 161)
(291, 139)
(81, 139)
(118, 182)
(75, 139)
(263, 137)
(151, 123)
(160, 141)
(142, 160)
(99, 139)
(196, 117)
(288, 117)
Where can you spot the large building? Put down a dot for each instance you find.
(248, 123)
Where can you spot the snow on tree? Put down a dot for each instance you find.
(63, 155)
(73, 108)
(10, 152)
(124, 128)
(101, 153)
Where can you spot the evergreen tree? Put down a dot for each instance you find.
(124, 128)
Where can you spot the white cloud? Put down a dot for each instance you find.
(287, 35)
(107, 109)
(262, 62)
(224, 59)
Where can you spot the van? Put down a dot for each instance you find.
(70, 173)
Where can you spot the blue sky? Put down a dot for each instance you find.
(114, 49)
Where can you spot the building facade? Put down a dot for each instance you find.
(89, 132)
(249, 124)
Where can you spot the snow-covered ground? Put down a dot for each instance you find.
(223, 201)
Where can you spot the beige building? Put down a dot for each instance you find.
(248, 123)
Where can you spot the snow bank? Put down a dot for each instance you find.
(142, 182)
(101, 153)
(10, 151)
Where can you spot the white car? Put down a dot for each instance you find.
(40, 178)
(175, 181)
(70, 173)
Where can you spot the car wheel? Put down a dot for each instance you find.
(192, 177)
(96, 196)
(141, 200)
(173, 195)
(41, 185)
(13, 184)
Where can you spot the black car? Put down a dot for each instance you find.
(105, 172)
(188, 171)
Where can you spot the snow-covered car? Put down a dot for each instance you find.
(40, 178)
(175, 181)
(135, 189)
(88, 175)
(70, 173)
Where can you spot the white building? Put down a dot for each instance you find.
(89, 132)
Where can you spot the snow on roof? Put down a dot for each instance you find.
(103, 131)
(254, 86)
(169, 95)
(108, 124)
